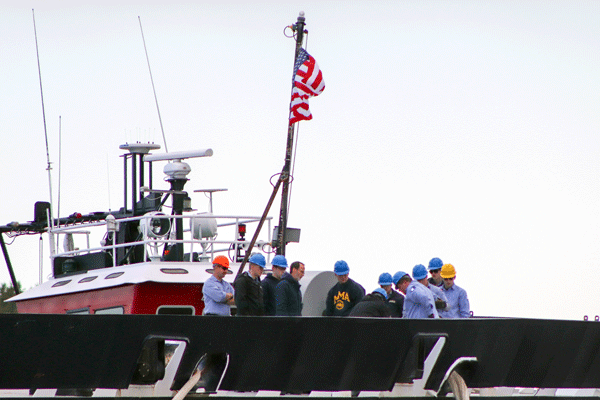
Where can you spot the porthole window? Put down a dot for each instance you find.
(61, 283)
(87, 279)
(174, 271)
(115, 275)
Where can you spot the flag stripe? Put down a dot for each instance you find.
(308, 82)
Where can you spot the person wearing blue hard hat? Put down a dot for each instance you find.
(401, 281)
(372, 305)
(395, 301)
(288, 298)
(435, 283)
(279, 261)
(419, 301)
(279, 265)
(435, 269)
(345, 294)
(248, 289)
(385, 279)
(381, 292)
(258, 259)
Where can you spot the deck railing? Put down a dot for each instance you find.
(204, 236)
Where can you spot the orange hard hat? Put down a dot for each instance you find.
(222, 261)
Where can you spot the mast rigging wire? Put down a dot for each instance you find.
(49, 168)
(153, 89)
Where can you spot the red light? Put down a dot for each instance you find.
(242, 229)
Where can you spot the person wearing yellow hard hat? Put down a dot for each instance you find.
(218, 293)
(457, 297)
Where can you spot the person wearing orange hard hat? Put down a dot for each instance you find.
(218, 293)
(458, 301)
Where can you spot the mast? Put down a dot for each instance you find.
(298, 28)
(49, 168)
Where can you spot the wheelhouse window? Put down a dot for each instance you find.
(79, 311)
(110, 310)
(176, 310)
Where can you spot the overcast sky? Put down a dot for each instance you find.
(465, 130)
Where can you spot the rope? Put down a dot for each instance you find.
(189, 385)
(458, 386)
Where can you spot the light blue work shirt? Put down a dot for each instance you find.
(419, 302)
(215, 300)
(438, 292)
(458, 303)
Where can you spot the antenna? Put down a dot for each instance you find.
(49, 168)
(179, 155)
(108, 183)
(59, 167)
(154, 90)
(176, 169)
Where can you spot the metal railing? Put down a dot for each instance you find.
(203, 234)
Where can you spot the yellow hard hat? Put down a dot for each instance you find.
(448, 271)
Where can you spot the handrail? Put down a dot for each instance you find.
(152, 244)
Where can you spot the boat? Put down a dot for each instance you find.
(123, 318)
(146, 262)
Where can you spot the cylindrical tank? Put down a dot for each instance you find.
(314, 288)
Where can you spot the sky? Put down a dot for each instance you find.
(464, 130)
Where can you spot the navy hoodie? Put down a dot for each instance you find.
(288, 298)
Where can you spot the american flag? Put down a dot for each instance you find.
(308, 82)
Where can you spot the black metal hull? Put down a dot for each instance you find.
(299, 354)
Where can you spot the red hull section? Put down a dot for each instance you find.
(149, 296)
(143, 298)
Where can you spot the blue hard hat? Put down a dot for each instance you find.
(385, 279)
(341, 268)
(435, 263)
(279, 261)
(419, 272)
(258, 259)
(381, 291)
(397, 276)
